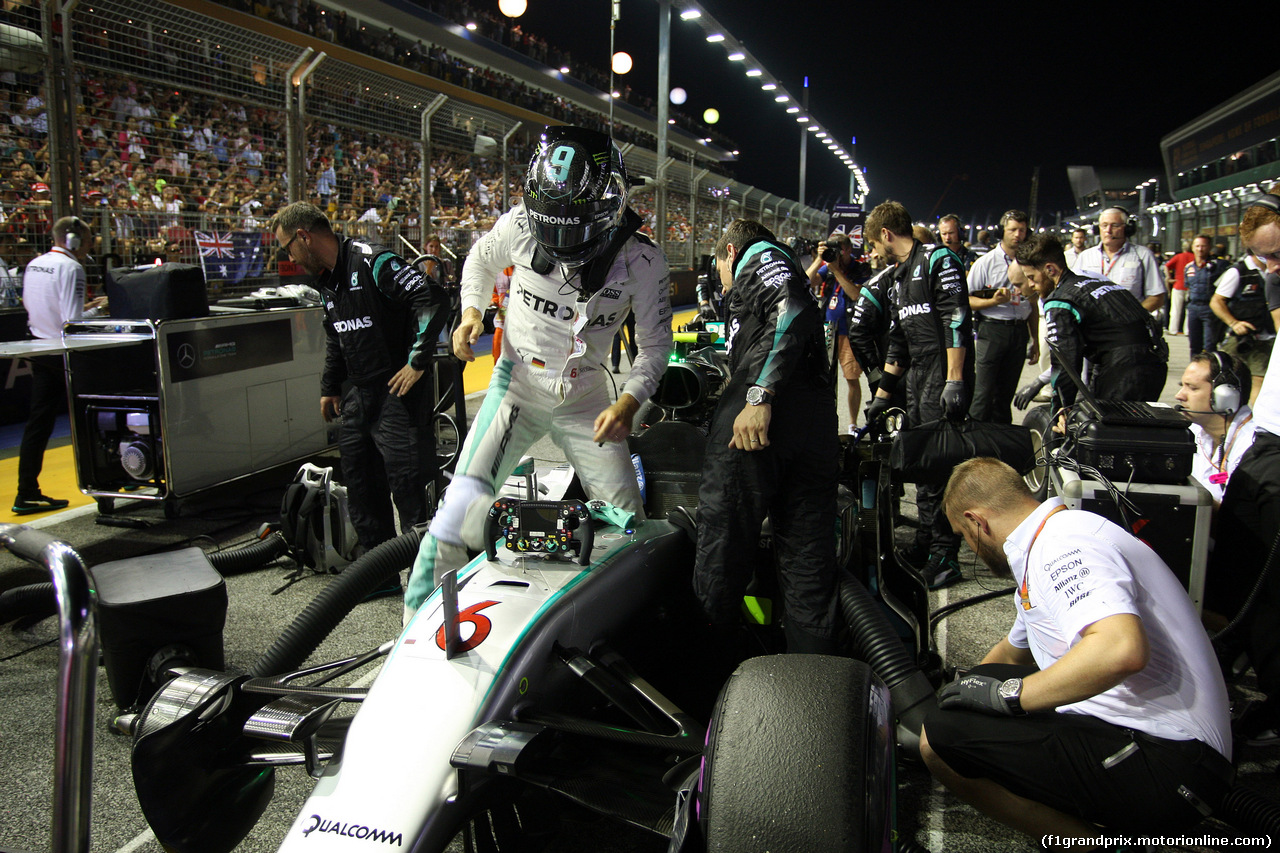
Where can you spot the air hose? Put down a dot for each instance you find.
(876, 643)
(1250, 812)
(233, 561)
(368, 573)
(36, 599)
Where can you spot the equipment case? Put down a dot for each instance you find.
(1137, 454)
(1175, 523)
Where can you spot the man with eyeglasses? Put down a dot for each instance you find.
(382, 318)
(1249, 520)
(1126, 263)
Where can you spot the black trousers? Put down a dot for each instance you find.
(793, 482)
(925, 380)
(1083, 766)
(1246, 527)
(48, 391)
(999, 354)
(388, 452)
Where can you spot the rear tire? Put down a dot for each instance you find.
(1037, 422)
(799, 758)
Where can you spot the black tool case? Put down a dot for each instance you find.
(1137, 454)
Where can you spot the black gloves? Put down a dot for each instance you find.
(954, 401)
(975, 693)
(875, 414)
(708, 313)
(1027, 393)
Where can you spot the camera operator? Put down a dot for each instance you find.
(1096, 319)
(708, 290)
(1240, 301)
(836, 275)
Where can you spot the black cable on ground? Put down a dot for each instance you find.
(943, 612)
(368, 573)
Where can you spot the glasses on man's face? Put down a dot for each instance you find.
(289, 242)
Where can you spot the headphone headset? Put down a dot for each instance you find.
(72, 237)
(1270, 201)
(1226, 395)
(1130, 222)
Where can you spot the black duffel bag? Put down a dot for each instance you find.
(927, 453)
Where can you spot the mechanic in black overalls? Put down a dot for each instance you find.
(382, 318)
(1097, 319)
(772, 449)
(931, 341)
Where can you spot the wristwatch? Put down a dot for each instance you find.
(757, 396)
(1011, 692)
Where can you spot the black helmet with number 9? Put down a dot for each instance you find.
(575, 193)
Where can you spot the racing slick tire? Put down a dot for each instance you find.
(799, 758)
(1037, 423)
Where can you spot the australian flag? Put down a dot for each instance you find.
(231, 255)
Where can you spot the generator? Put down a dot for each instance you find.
(162, 409)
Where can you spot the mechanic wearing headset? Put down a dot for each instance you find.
(1104, 708)
(772, 447)
(53, 291)
(1212, 398)
(382, 318)
(580, 269)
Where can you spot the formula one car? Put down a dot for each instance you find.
(516, 676)
(569, 662)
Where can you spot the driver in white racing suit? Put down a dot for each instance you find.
(580, 269)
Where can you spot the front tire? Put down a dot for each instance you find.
(799, 758)
(1037, 421)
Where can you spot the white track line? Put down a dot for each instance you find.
(935, 822)
(141, 839)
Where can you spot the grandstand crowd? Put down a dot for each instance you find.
(159, 161)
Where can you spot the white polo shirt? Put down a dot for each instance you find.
(1081, 569)
(53, 288)
(1133, 266)
(1216, 458)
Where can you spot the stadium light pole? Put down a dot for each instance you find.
(804, 139)
(664, 92)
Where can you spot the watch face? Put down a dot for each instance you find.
(755, 395)
(1012, 687)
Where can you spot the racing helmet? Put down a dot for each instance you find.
(575, 193)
